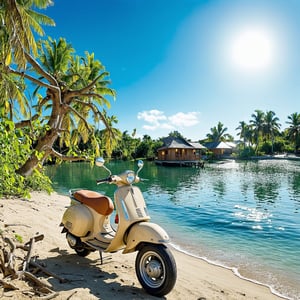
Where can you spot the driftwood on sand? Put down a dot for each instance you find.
(17, 264)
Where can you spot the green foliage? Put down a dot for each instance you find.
(18, 238)
(146, 148)
(176, 134)
(293, 132)
(281, 145)
(38, 181)
(15, 147)
(217, 134)
(246, 152)
(266, 148)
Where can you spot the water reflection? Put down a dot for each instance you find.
(219, 187)
(266, 191)
(265, 180)
(294, 190)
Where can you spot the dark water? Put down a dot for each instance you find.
(242, 215)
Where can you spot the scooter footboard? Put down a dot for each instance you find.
(145, 232)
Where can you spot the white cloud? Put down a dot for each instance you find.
(184, 119)
(157, 119)
(152, 116)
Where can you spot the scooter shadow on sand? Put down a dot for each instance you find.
(88, 273)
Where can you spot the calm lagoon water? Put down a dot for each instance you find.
(241, 215)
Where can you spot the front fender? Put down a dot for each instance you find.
(145, 232)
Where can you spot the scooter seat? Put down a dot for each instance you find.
(100, 203)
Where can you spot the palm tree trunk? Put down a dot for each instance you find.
(44, 146)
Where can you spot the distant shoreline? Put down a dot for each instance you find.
(279, 157)
(264, 157)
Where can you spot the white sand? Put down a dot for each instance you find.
(116, 278)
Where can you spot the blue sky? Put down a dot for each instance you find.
(185, 65)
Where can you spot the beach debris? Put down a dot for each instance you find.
(18, 268)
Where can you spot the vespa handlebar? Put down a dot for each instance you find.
(108, 179)
(120, 179)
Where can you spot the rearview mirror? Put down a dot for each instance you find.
(140, 163)
(100, 161)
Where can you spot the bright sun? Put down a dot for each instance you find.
(252, 50)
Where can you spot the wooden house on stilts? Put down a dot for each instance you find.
(178, 151)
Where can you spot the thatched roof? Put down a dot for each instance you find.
(179, 143)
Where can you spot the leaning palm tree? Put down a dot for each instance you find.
(271, 127)
(72, 94)
(294, 129)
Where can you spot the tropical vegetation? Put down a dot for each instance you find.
(262, 134)
(69, 96)
(53, 107)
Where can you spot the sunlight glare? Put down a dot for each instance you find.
(252, 50)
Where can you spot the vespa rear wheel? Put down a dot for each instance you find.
(82, 252)
(156, 269)
(74, 243)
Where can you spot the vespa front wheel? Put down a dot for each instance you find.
(156, 269)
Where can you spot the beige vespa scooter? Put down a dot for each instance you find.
(87, 226)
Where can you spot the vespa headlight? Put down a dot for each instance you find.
(130, 177)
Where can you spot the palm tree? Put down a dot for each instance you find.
(257, 125)
(271, 127)
(110, 135)
(217, 133)
(243, 131)
(74, 89)
(294, 129)
(17, 20)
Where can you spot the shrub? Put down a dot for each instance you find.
(15, 147)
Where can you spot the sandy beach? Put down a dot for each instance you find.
(115, 278)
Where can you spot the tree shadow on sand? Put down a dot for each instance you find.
(99, 280)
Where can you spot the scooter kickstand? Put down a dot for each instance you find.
(101, 257)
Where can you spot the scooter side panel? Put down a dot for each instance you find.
(145, 232)
(78, 220)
